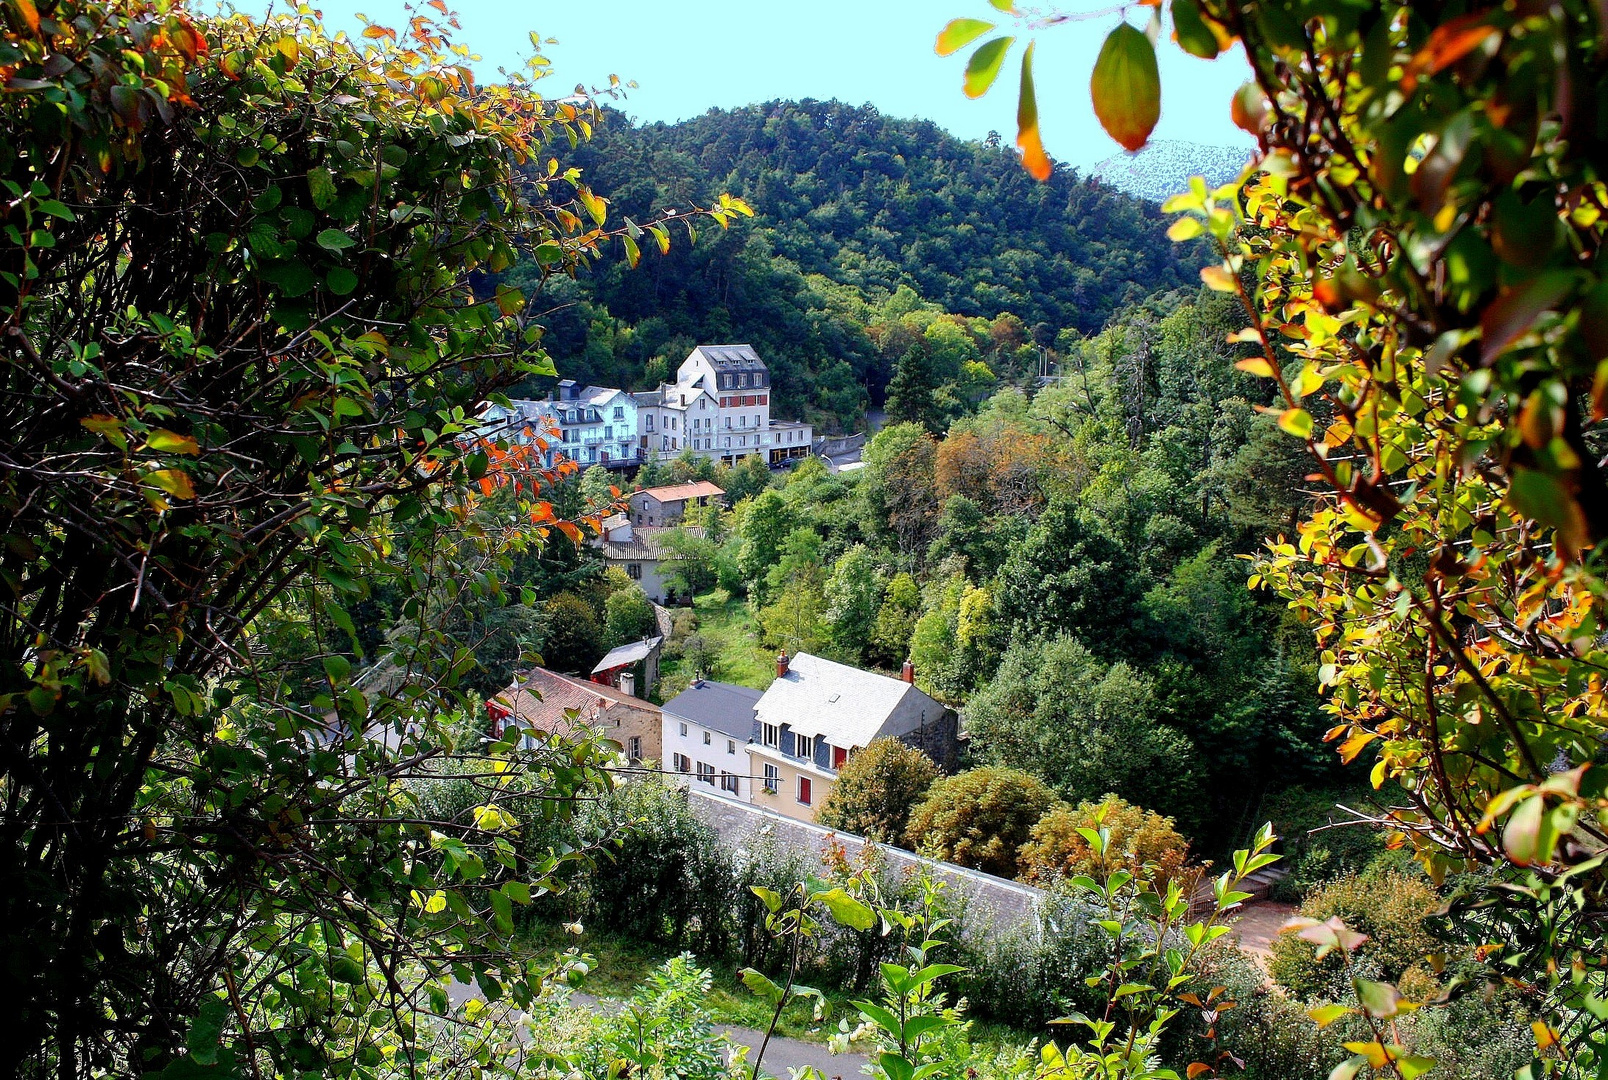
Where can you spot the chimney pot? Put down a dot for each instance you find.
(628, 683)
(908, 672)
(781, 663)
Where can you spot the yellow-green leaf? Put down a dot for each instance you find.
(959, 34)
(1126, 87)
(1185, 228)
(1297, 422)
(1218, 279)
(1324, 1015)
(175, 482)
(164, 441)
(983, 67)
(1191, 31)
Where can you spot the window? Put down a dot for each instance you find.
(728, 782)
(804, 790)
(773, 777)
(768, 734)
(619, 412)
(648, 422)
(728, 442)
(803, 746)
(839, 756)
(683, 731)
(682, 762)
(706, 738)
(633, 747)
(706, 773)
(634, 572)
(731, 746)
(728, 423)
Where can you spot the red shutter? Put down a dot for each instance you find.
(804, 790)
(839, 756)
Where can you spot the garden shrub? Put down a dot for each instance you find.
(980, 818)
(1389, 907)
(1139, 837)
(876, 789)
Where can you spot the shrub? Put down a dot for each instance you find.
(1138, 837)
(1389, 907)
(876, 789)
(980, 818)
(629, 617)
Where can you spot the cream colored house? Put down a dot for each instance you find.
(819, 712)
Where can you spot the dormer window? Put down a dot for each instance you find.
(803, 746)
(768, 734)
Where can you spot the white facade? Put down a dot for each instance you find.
(705, 732)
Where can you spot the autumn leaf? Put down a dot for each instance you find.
(1028, 138)
(960, 33)
(1126, 87)
(164, 441)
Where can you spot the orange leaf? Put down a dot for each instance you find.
(1028, 139)
(379, 32)
(1448, 44)
(1353, 746)
(29, 13)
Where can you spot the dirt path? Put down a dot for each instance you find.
(1258, 925)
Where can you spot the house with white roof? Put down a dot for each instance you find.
(706, 729)
(818, 713)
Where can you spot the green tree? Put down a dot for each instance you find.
(896, 621)
(628, 617)
(766, 523)
(1083, 725)
(853, 594)
(746, 479)
(876, 789)
(979, 818)
(244, 349)
(692, 568)
(597, 485)
(913, 391)
(573, 637)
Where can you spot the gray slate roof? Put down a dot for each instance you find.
(732, 357)
(628, 653)
(723, 707)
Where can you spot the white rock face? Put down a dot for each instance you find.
(1164, 166)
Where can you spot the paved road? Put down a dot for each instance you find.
(781, 1055)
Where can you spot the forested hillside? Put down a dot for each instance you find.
(859, 218)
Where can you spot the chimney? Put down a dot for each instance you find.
(781, 663)
(628, 683)
(908, 672)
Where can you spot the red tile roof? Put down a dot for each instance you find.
(681, 492)
(550, 702)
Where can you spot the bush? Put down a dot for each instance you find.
(629, 617)
(1316, 858)
(980, 818)
(1389, 907)
(1138, 837)
(876, 789)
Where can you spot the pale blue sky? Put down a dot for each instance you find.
(688, 58)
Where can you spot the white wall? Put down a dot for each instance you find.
(715, 755)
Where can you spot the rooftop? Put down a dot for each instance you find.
(723, 707)
(681, 492)
(731, 357)
(841, 704)
(550, 702)
(628, 653)
(646, 543)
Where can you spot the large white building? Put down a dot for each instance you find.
(718, 408)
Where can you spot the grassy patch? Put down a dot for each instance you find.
(623, 965)
(725, 622)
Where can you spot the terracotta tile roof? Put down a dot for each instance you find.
(680, 492)
(550, 702)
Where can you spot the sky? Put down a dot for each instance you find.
(690, 57)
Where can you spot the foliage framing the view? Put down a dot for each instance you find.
(242, 357)
(1417, 251)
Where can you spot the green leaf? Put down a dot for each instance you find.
(1324, 1015)
(202, 1039)
(1412, 1067)
(759, 984)
(503, 910)
(983, 67)
(959, 34)
(769, 897)
(1126, 87)
(1191, 31)
(321, 185)
(1522, 836)
(334, 240)
(1380, 999)
(341, 281)
(846, 909)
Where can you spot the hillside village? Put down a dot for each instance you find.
(499, 588)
